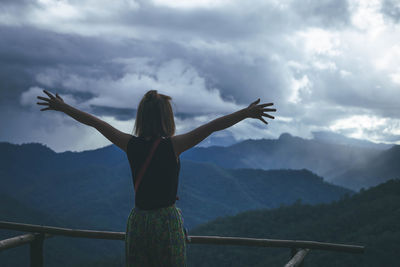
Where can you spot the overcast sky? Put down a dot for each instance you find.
(328, 65)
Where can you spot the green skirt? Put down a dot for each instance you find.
(155, 238)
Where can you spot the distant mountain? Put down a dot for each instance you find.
(288, 152)
(379, 169)
(218, 140)
(328, 155)
(369, 218)
(338, 139)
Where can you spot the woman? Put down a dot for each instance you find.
(155, 234)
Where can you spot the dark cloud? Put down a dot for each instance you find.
(326, 13)
(26, 52)
(32, 47)
(20, 5)
(230, 22)
(391, 8)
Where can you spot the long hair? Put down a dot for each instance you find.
(154, 116)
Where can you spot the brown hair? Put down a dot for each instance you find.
(154, 116)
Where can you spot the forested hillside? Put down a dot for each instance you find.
(369, 218)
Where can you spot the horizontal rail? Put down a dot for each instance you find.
(258, 242)
(20, 240)
(16, 241)
(62, 231)
(297, 258)
(213, 240)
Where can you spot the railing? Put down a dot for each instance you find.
(39, 233)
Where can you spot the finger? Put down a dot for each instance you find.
(264, 121)
(269, 109)
(49, 94)
(266, 105)
(59, 97)
(43, 103)
(43, 109)
(269, 116)
(255, 102)
(43, 98)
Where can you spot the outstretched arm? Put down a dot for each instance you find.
(183, 142)
(117, 137)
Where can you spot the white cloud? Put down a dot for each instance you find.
(300, 88)
(319, 41)
(368, 127)
(28, 98)
(175, 78)
(367, 17)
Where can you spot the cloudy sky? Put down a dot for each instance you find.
(328, 65)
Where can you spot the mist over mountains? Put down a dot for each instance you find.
(333, 161)
(384, 166)
(338, 139)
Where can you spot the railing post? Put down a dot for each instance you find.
(297, 259)
(293, 252)
(36, 250)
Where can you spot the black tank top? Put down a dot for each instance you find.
(159, 184)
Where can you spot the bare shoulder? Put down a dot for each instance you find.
(124, 139)
(183, 142)
(177, 144)
(116, 136)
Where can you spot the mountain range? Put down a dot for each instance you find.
(93, 189)
(347, 163)
(96, 186)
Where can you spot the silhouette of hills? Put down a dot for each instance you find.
(382, 167)
(368, 218)
(288, 152)
(96, 187)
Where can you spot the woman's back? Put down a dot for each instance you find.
(159, 184)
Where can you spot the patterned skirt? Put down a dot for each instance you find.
(155, 238)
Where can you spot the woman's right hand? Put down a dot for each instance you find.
(258, 111)
(51, 103)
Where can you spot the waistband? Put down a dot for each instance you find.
(138, 210)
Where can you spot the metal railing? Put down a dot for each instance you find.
(38, 233)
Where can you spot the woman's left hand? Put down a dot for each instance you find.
(258, 111)
(52, 103)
